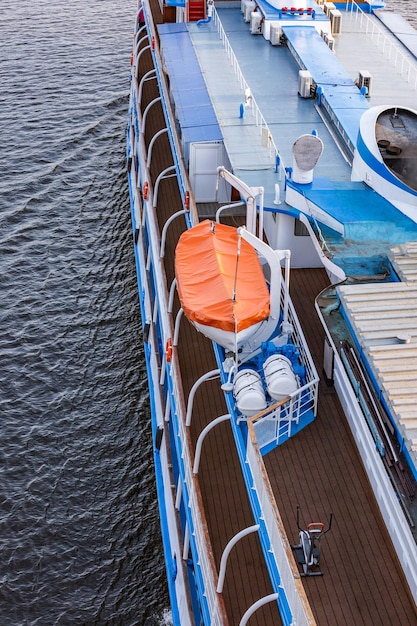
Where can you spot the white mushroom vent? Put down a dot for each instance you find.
(306, 150)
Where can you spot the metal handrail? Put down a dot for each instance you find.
(394, 52)
(255, 110)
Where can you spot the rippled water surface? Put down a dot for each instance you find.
(79, 534)
(79, 531)
(406, 8)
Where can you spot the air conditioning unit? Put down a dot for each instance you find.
(305, 82)
(365, 80)
(328, 6)
(249, 6)
(256, 23)
(335, 21)
(275, 34)
(330, 42)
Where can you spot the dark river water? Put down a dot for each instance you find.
(79, 532)
(79, 529)
(406, 8)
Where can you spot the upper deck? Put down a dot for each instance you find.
(272, 75)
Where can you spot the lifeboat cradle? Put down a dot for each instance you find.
(232, 288)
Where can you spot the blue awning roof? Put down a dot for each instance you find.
(193, 108)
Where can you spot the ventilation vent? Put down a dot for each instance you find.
(328, 6)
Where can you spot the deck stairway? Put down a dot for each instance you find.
(196, 10)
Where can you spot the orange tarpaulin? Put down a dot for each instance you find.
(209, 271)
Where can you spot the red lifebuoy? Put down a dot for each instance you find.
(145, 190)
(168, 350)
(131, 58)
(187, 201)
(153, 43)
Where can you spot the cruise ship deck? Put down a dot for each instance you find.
(368, 222)
(320, 469)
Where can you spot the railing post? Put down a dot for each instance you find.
(207, 376)
(252, 609)
(233, 541)
(202, 436)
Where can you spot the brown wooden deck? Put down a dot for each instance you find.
(319, 469)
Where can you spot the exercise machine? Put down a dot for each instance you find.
(307, 551)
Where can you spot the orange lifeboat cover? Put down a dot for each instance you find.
(206, 266)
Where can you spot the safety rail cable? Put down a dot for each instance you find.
(362, 402)
(383, 438)
(256, 112)
(389, 47)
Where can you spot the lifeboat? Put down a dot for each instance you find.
(221, 284)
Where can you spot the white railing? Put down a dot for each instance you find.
(181, 169)
(299, 339)
(204, 560)
(389, 47)
(276, 424)
(254, 108)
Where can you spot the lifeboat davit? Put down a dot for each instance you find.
(221, 285)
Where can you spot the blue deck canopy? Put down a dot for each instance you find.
(192, 104)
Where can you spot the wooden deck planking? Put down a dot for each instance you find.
(361, 582)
